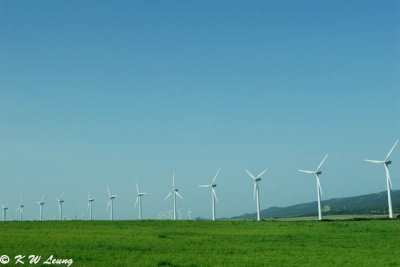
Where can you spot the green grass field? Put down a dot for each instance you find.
(197, 243)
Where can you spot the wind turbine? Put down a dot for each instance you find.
(174, 191)
(41, 203)
(317, 173)
(256, 192)
(189, 214)
(139, 200)
(20, 207)
(4, 208)
(213, 193)
(89, 206)
(110, 203)
(386, 164)
(179, 214)
(60, 204)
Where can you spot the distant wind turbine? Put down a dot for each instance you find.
(386, 162)
(256, 192)
(4, 208)
(60, 205)
(139, 200)
(180, 214)
(189, 214)
(317, 173)
(41, 203)
(214, 198)
(90, 206)
(110, 203)
(19, 209)
(174, 192)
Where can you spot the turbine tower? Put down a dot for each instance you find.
(317, 173)
(256, 192)
(214, 198)
(110, 203)
(173, 191)
(60, 205)
(19, 209)
(4, 208)
(41, 203)
(386, 162)
(139, 200)
(89, 206)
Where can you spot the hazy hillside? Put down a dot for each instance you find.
(364, 204)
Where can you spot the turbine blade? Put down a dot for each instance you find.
(388, 176)
(168, 196)
(374, 161)
(137, 188)
(254, 190)
(214, 193)
(137, 200)
(173, 179)
(322, 162)
(178, 195)
(319, 185)
(215, 177)
(261, 174)
(38, 202)
(108, 190)
(249, 173)
(108, 204)
(391, 150)
(309, 172)
(205, 185)
(61, 196)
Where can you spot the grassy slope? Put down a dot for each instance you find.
(194, 243)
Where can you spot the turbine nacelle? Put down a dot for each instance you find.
(388, 162)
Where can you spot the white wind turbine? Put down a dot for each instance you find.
(214, 198)
(386, 164)
(19, 209)
(4, 208)
(41, 203)
(110, 203)
(180, 213)
(89, 206)
(60, 205)
(139, 201)
(317, 173)
(256, 192)
(173, 191)
(189, 214)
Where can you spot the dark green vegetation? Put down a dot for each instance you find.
(197, 243)
(371, 204)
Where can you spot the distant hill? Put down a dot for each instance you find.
(373, 204)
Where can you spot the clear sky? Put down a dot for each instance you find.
(97, 93)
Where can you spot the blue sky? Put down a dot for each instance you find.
(96, 93)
